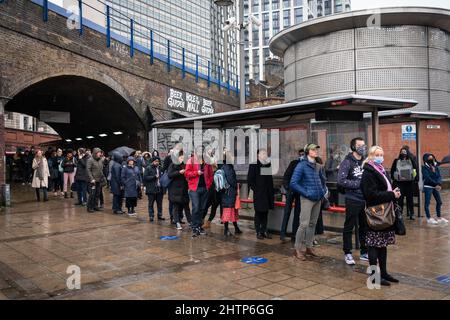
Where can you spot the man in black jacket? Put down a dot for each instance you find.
(349, 178)
(290, 197)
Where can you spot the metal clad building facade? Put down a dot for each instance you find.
(399, 61)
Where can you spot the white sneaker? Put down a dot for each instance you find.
(442, 220)
(133, 215)
(349, 260)
(432, 221)
(179, 227)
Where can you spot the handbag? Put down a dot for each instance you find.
(399, 224)
(380, 217)
(165, 180)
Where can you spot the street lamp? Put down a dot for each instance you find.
(241, 26)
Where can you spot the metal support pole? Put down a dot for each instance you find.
(151, 46)
(218, 77)
(196, 68)
(419, 167)
(241, 55)
(45, 10)
(108, 27)
(228, 82)
(183, 70)
(80, 7)
(168, 55)
(375, 126)
(131, 38)
(209, 73)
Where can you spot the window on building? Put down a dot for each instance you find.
(266, 5)
(276, 22)
(255, 6)
(298, 15)
(266, 53)
(338, 6)
(275, 4)
(298, 3)
(286, 18)
(266, 37)
(286, 3)
(327, 5)
(266, 22)
(246, 6)
(255, 64)
(255, 37)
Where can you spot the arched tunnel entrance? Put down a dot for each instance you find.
(85, 112)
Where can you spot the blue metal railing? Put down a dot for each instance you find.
(144, 39)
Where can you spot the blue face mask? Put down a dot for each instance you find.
(378, 160)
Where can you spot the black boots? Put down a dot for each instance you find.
(236, 228)
(226, 231)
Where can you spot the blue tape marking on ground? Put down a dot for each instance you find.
(169, 238)
(254, 260)
(444, 279)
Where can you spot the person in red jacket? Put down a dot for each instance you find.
(199, 175)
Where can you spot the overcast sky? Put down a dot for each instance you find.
(367, 4)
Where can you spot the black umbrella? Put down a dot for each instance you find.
(123, 151)
(446, 160)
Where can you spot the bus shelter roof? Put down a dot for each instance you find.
(333, 106)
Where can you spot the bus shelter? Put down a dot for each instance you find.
(283, 130)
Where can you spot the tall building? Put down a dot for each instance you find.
(193, 25)
(276, 15)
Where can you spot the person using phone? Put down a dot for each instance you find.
(432, 185)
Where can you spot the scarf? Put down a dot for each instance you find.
(381, 170)
(40, 169)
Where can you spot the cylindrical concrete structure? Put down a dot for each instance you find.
(391, 52)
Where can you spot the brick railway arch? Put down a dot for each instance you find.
(97, 105)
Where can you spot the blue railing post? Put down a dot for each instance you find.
(209, 73)
(237, 85)
(168, 55)
(151, 46)
(131, 38)
(45, 10)
(184, 63)
(228, 81)
(218, 77)
(108, 28)
(80, 7)
(196, 68)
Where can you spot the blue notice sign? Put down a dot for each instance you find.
(409, 132)
(169, 238)
(444, 279)
(254, 260)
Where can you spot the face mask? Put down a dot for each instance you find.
(361, 150)
(378, 160)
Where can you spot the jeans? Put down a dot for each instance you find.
(94, 194)
(437, 196)
(82, 191)
(44, 192)
(117, 203)
(171, 208)
(407, 190)
(354, 216)
(199, 201)
(178, 212)
(152, 197)
(214, 202)
(308, 220)
(68, 180)
(290, 197)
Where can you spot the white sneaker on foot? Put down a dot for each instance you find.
(442, 220)
(432, 221)
(179, 227)
(349, 260)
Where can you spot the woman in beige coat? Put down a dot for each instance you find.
(40, 175)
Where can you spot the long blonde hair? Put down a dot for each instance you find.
(371, 153)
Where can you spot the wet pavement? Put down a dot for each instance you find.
(124, 258)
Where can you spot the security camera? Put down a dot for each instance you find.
(255, 20)
(229, 23)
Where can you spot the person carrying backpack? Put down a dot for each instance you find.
(291, 196)
(403, 174)
(228, 193)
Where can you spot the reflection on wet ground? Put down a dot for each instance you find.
(124, 258)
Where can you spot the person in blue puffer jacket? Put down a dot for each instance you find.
(309, 181)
